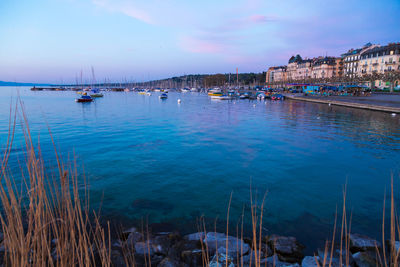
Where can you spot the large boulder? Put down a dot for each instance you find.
(195, 236)
(235, 246)
(250, 259)
(335, 257)
(363, 243)
(287, 248)
(274, 261)
(221, 260)
(192, 257)
(167, 262)
(310, 261)
(117, 258)
(365, 259)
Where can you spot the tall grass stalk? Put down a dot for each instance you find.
(45, 220)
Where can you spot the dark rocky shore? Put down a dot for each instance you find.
(169, 249)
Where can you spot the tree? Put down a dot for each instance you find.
(391, 77)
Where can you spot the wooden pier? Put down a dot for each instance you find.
(346, 104)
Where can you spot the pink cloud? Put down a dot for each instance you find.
(196, 45)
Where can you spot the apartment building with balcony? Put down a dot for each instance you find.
(276, 74)
(380, 59)
(323, 68)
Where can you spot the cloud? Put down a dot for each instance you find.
(197, 45)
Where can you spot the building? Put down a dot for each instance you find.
(324, 68)
(303, 71)
(351, 60)
(338, 72)
(380, 59)
(276, 74)
(291, 71)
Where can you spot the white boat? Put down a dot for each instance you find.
(222, 97)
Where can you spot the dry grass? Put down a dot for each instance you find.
(45, 221)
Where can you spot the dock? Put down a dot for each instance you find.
(346, 104)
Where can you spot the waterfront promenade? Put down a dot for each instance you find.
(376, 102)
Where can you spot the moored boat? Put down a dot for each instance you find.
(163, 96)
(84, 98)
(222, 97)
(215, 92)
(277, 97)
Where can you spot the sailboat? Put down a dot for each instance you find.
(95, 91)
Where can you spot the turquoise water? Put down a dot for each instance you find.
(172, 162)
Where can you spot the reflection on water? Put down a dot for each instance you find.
(173, 163)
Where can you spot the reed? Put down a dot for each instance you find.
(45, 220)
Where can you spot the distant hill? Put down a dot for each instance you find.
(21, 84)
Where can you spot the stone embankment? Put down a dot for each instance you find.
(217, 250)
(393, 110)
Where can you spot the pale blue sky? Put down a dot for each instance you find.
(53, 40)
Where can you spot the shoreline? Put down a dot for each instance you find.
(217, 248)
(346, 104)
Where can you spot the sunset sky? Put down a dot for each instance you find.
(136, 40)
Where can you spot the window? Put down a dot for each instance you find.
(389, 68)
(390, 60)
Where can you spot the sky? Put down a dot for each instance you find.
(136, 40)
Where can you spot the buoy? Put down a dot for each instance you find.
(393, 114)
(329, 104)
(179, 100)
(254, 105)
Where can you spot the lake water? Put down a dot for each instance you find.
(172, 162)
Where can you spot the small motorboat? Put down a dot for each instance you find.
(215, 92)
(84, 98)
(222, 97)
(163, 96)
(96, 93)
(277, 97)
(261, 96)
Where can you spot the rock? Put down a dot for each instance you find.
(144, 248)
(221, 260)
(274, 261)
(365, 259)
(194, 236)
(164, 242)
(310, 261)
(192, 257)
(362, 243)
(250, 259)
(287, 248)
(218, 240)
(124, 235)
(167, 263)
(396, 245)
(117, 259)
(335, 257)
(133, 238)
